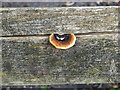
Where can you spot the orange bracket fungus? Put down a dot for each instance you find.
(62, 41)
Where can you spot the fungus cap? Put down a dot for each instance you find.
(63, 41)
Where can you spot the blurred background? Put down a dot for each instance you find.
(60, 4)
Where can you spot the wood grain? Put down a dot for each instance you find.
(28, 57)
(33, 60)
(30, 21)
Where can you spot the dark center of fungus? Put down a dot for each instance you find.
(63, 37)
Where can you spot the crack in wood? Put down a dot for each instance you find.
(77, 34)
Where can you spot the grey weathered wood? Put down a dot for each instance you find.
(25, 21)
(33, 60)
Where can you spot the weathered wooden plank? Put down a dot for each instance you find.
(27, 21)
(33, 60)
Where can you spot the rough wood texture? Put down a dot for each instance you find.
(33, 60)
(25, 21)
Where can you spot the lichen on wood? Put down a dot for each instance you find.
(30, 59)
(36, 61)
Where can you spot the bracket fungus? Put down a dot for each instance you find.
(62, 41)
